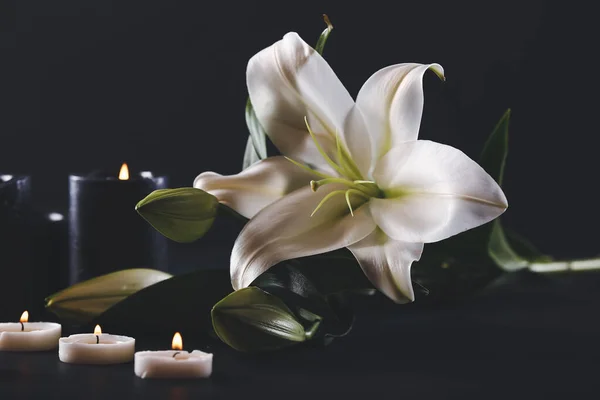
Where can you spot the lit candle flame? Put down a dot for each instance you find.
(177, 341)
(24, 316)
(124, 172)
(97, 330)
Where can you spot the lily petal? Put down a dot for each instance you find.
(433, 191)
(386, 262)
(391, 101)
(255, 187)
(357, 141)
(289, 81)
(285, 230)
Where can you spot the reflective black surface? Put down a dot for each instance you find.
(526, 336)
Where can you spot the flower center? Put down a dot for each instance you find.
(346, 167)
(362, 189)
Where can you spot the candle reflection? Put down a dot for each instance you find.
(178, 393)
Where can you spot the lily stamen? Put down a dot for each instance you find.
(325, 199)
(349, 167)
(370, 188)
(314, 185)
(321, 151)
(357, 192)
(346, 193)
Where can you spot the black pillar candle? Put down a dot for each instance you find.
(16, 247)
(106, 234)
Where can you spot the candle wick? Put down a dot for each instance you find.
(97, 339)
(177, 352)
(22, 326)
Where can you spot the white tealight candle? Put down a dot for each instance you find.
(96, 348)
(173, 364)
(29, 336)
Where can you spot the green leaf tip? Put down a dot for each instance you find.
(252, 320)
(182, 215)
(328, 23)
(324, 35)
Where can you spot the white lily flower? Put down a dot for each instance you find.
(354, 174)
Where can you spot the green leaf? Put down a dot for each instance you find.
(250, 155)
(502, 252)
(253, 320)
(257, 132)
(181, 303)
(512, 253)
(183, 214)
(500, 248)
(495, 150)
(257, 139)
(493, 160)
(86, 300)
(184, 302)
(320, 47)
(333, 272)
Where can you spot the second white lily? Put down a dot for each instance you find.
(354, 174)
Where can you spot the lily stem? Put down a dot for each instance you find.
(589, 264)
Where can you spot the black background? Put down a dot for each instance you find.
(88, 84)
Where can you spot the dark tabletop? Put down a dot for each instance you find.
(526, 336)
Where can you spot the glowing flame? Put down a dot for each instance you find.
(24, 316)
(124, 172)
(177, 341)
(97, 330)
